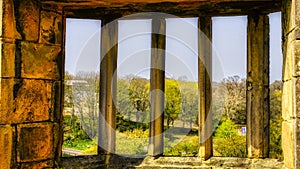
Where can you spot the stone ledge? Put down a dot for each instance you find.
(169, 163)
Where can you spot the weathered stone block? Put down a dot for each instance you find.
(297, 97)
(288, 60)
(25, 101)
(6, 99)
(41, 61)
(296, 54)
(288, 147)
(6, 144)
(8, 24)
(291, 60)
(51, 28)
(288, 100)
(293, 35)
(297, 142)
(7, 60)
(37, 165)
(32, 101)
(290, 15)
(35, 142)
(27, 17)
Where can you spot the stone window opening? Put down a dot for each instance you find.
(107, 124)
(256, 24)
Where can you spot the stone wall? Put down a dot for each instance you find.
(291, 85)
(32, 67)
(30, 80)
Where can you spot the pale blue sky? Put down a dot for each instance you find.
(229, 46)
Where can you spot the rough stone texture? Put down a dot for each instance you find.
(31, 101)
(56, 102)
(8, 25)
(6, 99)
(291, 15)
(41, 61)
(297, 137)
(296, 99)
(57, 140)
(7, 59)
(37, 165)
(258, 97)
(25, 101)
(35, 142)
(296, 46)
(27, 15)
(288, 61)
(6, 145)
(118, 162)
(291, 64)
(288, 100)
(288, 137)
(291, 73)
(50, 28)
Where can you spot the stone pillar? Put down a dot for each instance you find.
(30, 84)
(157, 87)
(108, 82)
(204, 86)
(258, 98)
(291, 83)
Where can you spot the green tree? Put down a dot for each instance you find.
(235, 100)
(189, 98)
(139, 97)
(124, 104)
(275, 120)
(172, 101)
(82, 99)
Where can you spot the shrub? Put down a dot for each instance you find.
(228, 142)
(186, 147)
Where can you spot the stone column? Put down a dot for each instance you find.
(204, 86)
(30, 84)
(157, 87)
(108, 82)
(258, 108)
(291, 83)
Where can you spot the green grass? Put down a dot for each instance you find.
(80, 144)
